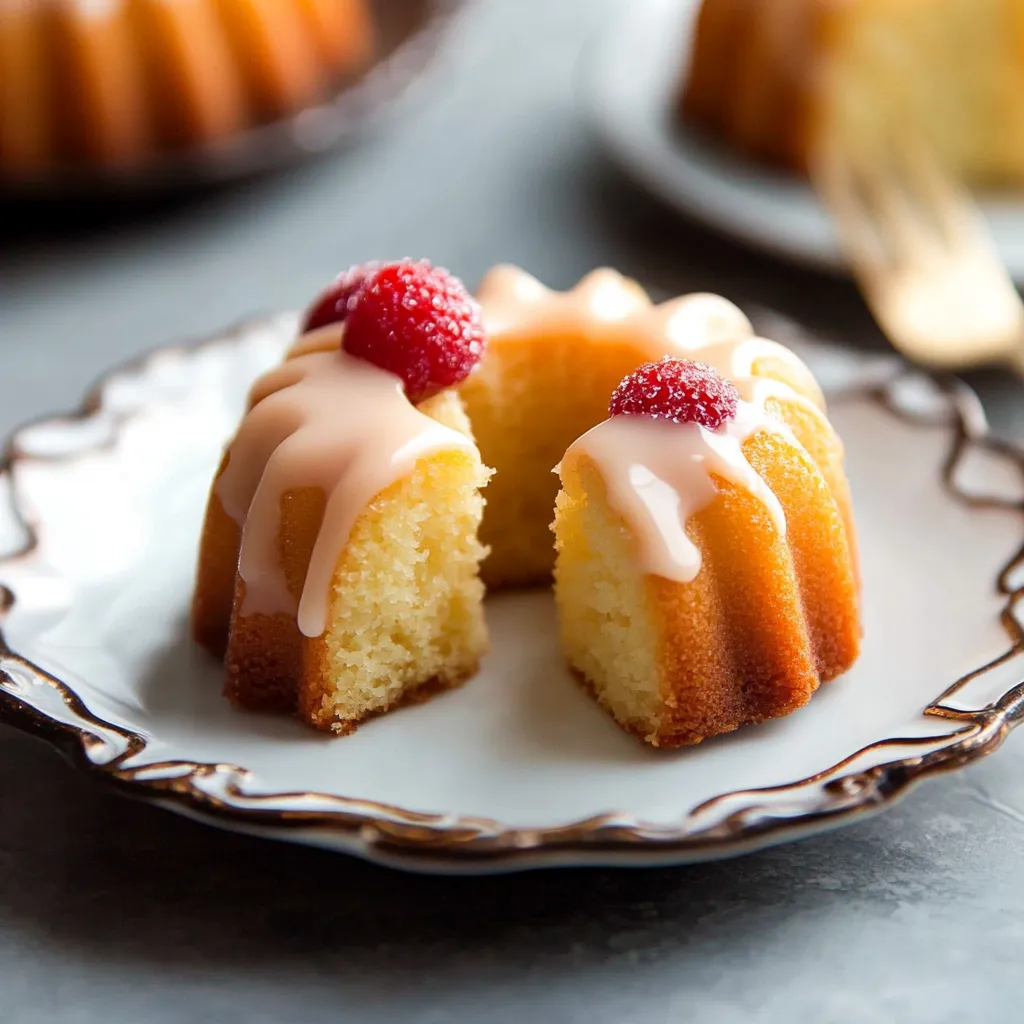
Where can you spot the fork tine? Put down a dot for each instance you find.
(938, 194)
(838, 180)
(909, 227)
(951, 207)
(868, 191)
(926, 264)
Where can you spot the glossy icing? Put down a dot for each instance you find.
(658, 474)
(607, 307)
(326, 420)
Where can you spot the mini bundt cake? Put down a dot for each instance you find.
(113, 83)
(338, 566)
(338, 572)
(773, 76)
(704, 577)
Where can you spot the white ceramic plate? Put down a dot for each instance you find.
(518, 768)
(632, 76)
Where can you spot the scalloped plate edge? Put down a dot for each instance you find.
(730, 824)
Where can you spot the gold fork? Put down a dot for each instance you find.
(922, 255)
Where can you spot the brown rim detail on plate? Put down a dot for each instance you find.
(411, 37)
(727, 824)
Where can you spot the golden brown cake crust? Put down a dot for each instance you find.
(762, 625)
(265, 655)
(214, 596)
(780, 614)
(264, 663)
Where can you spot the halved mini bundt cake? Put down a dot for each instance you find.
(338, 568)
(338, 571)
(704, 577)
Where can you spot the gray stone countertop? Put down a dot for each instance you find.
(114, 911)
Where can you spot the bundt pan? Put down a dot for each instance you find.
(123, 96)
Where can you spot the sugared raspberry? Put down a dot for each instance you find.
(677, 390)
(333, 303)
(419, 323)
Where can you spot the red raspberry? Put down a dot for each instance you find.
(333, 304)
(677, 390)
(419, 323)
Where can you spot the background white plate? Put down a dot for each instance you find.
(518, 768)
(632, 76)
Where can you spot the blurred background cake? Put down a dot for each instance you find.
(110, 83)
(769, 76)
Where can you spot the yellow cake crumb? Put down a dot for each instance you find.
(607, 629)
(406, 600)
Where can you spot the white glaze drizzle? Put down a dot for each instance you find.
(658, 474)
(607, 307)
(322, 339)
(322, 420)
